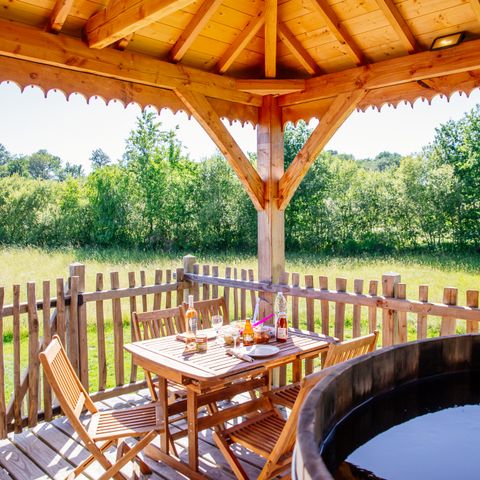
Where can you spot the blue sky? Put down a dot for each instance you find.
(73, 129)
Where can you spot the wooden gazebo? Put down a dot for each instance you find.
(267, 62)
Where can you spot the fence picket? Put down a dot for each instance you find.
(310, 320)
(133, 308)
(17, 399)
(102, 357)
(357, 309)
(206, 286)
(117, 331)
(47, 336)
(448, 325)
(143, 282)
(215, 287)
(472, 302)
(61, 321)
(253, 297)
(372, 310)
(401, 327)
(421, 317)
(33, 360)
(168, 295)
(243, 295)
(324, 306)
(235, 296)
(157, 297)
(295, 317)
(341, 286)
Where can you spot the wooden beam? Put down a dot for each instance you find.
(476, 8)
(338, 112)
(298, 51)
(59, 15)
(271, 86)
(395, 71)
(339, 31)
(242, 40)
(193, 29)
(123, 17)
(271, 20)
(28, 43)
(399, 24)
(204, 113)
(25, 73)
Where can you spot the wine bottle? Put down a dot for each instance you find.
(281, 322)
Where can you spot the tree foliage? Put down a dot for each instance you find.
(156, 197)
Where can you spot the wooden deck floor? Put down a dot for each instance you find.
(51, 450)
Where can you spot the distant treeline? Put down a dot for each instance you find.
(156, 197)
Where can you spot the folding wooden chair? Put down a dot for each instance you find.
(337, 352)
(155, 324)
(268, 434)
(105, 427)
(207, 308)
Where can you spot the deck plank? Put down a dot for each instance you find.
(18, 464)
(4, 475)
(48, 459)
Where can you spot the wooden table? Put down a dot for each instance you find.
(203, 373)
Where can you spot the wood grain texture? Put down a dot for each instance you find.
(123, 17)
(204, 113)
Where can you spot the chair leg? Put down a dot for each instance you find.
(78, 470)
(229, 456)
(123, 448)
(132, 453)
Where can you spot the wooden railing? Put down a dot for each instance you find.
(95, 324)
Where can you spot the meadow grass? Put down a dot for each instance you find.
(20, 265)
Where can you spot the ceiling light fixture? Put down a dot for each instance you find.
(447, 41)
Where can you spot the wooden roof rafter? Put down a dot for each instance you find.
(193, 29)
(121, 18)
(298, 51)
(339, 31)
(399, 25)
(241, 41)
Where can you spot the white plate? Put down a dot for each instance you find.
(209, 332)
(260, 350)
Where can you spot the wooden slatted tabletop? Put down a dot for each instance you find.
(167, 357)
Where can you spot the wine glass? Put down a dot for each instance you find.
(235, 335)
(217, 322)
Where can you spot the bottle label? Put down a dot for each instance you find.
(282, 333)
(248, 338)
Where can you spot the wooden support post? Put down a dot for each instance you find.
(188, 267)
(389, 282)
(271, 229)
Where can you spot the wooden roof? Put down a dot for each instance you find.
(236, 51)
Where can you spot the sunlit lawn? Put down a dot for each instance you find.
(20, 265)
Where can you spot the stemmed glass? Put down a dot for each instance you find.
(235, 335)
(217, 322)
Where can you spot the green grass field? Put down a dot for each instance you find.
(20, 265)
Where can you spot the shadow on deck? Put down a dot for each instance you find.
(51, 450)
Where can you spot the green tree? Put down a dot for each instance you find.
(44, 165)
(457, 143)
(99, 159)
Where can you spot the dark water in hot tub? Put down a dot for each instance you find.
(428, 429)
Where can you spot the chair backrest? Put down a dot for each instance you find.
(287, 438)
(207, 308)
(336, 353)
(158, 323)
(343, 351)
(61, 376)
